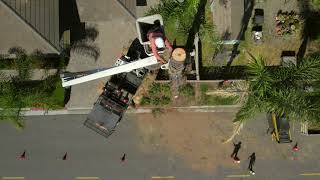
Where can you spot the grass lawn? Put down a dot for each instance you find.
(158, 95)
(208, 38)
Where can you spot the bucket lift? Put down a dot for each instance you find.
(123, 64)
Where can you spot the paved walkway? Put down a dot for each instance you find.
(116, 30)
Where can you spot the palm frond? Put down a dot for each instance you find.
(260, 77)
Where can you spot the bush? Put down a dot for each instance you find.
(316, 3)
(158, 95)
(187, 91)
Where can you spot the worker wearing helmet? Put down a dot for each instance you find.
(158, 42)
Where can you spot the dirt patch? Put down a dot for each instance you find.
(197, 139)
(194, 137)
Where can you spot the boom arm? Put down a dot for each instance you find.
(69, 81)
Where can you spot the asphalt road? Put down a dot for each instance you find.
(90, 156)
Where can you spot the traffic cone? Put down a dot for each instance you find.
(65, 156)
(23, 155)
(123, 158)
(295, 147)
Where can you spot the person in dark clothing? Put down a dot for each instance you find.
(252, 158)
(123, 158)
(236, 149)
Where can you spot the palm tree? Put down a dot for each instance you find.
(281, 90)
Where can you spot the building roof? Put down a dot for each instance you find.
(30, 24)
(228, 18)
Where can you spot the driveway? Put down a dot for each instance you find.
(114, 30)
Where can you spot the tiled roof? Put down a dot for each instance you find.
(41, 15)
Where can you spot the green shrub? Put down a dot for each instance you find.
(158, 95)
(187, 91)
(316, 3)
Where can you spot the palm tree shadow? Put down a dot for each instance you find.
(197, 21)
(248, 8)
(86, 49)
(311, 27)
(82, 37)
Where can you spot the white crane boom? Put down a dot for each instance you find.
(111, 71)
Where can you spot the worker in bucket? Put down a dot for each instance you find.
(158, 41)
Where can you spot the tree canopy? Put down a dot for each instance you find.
(292, 91)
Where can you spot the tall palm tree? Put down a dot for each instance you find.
(281, 90)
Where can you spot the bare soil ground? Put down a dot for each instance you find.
(197, 139)
(198, 142)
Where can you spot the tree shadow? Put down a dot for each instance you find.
(248, 8)
(199, 18)
(70, 20)
(311, 27)
(91, 33)
(81, 37)
(86, 49)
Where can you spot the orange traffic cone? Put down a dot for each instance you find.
(65, 156)
(23, 155)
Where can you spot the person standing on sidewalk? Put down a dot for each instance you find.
(252, 158)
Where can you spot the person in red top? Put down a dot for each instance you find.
(158, 41)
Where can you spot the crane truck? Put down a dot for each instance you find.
(126, 76)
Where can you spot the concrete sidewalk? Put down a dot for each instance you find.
(86, 110)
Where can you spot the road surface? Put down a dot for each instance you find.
(90, 156)
(47, 138)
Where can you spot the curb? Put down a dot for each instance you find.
(86, 110)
